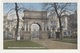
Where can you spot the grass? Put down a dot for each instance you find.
(68, 40)
(22, 44)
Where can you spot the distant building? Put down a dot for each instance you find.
(9, 27)
(5, 27)
(72, 25)
(69, 23)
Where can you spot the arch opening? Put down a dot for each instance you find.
(35, 28)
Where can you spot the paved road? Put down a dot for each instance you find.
(54, 44)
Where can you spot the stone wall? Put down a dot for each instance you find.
(26, 35)
(44, 34)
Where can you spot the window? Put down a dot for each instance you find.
(64, 33)
(68, 32)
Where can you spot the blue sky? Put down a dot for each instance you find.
(8, 6)
(36, 6)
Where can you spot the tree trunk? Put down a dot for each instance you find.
(17, 26)
(60, 27)
(55, 7)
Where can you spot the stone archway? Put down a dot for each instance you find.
(38, 18)
(35, 30)
(35, 27)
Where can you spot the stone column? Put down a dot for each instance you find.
(45, 26)
(42, 26)
(66, 23)
(25, 26)
(28, 27)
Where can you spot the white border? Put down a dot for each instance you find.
(37, 51)
(39, 1)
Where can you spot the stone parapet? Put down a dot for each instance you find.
(44, 34)
(27, 35)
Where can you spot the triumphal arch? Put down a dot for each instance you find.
(35, 17)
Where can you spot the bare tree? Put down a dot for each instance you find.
(18, 8)
(17, 26)
(60, 9)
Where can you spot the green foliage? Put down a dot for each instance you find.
(20, 43)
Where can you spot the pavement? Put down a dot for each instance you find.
(54, 44)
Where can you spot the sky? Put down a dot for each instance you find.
(8, 6)
(35, 6)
